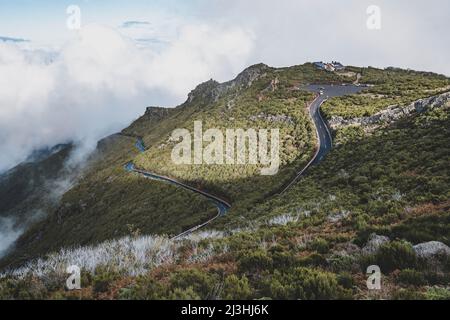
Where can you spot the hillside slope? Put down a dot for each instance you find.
(108, 202)
(26, 185)
(106, 198)
(378, 199)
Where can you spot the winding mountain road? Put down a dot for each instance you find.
(323, 134)
(222, 205)
(324, 138)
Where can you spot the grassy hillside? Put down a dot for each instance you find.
(260, 98)
(34, 186)
(307, 243)
(391, 87)
(109, 202)
(304, 244)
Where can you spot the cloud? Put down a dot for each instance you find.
(94, 86)
(128, 24)
(16, 40)
(157, 33)
(287, 32)
(8, 234)
(100, 81)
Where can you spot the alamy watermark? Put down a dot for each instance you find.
(73, 282)
(374, 17)
(374, 280)
(236, 146)
(73, 21)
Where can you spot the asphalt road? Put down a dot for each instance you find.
(222, 205)
(324, 138)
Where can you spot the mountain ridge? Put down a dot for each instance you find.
(368, 184)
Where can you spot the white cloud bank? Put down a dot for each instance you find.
(413, 34)
(101, 80)
(8, 234)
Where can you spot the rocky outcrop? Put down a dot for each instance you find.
(433, 253)
(272, 86)
(431, 249)
(211, 91)
(338, 216)
(151, 117)
(248, 76)
(205, 92)
(374, 243)
(157, 113)
(392, 113)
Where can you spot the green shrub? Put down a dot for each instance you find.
(437, 278)
(411, 277)
(254, 261)
(236, 288)
(282, 257)
(193, 280)
(307, 284)
(312, 284)
(407, 294)
(102, 283)
(437, 293)
(28, 288)
(86, 278)
(432, 227)
(345, 280)
(184, 294)
(339, 263)
(313, 260)
(103, 278)
(145, 288)
(395, 255)
(320, 245)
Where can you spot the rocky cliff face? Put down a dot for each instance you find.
(392, 113)
(203, 92)
(156, 113)
(211, 91)
(151, 118)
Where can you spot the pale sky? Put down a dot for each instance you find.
(413, 33)
(65, 85)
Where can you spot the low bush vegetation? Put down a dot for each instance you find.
(391, 87)
(304, 244)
